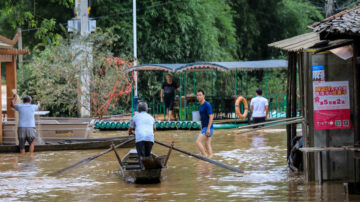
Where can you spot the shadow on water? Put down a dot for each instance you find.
(260, 155)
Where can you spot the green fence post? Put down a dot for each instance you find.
(235, 93)
(185, 110)
(266, 83)
(163, 105)
(247, 81)
(180, 98)
(194, 83)
(153, 106)
(212, 83)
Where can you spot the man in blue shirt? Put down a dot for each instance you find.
(207, 128)
(26, 126)
(144, 126)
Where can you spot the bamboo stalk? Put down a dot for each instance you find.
(117, 155)
(276, 124)
(268, 122)
(202, 158)
(168, 155)
(87, 160)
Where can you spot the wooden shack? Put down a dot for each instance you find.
(8, 56)
(326, 62)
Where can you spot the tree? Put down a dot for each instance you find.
(54, 78)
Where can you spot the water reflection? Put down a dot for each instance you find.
(261, 155)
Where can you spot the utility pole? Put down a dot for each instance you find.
(329, 8)
(86, 56)
(20, 47)
(81, 24)
(135, 55)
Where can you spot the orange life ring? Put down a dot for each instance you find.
(237, 108)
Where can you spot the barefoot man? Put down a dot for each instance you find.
(26, 126)
(207, 128)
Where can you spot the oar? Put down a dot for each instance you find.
(201, 157)
(275, 124)
(87, 160)
(268, 122)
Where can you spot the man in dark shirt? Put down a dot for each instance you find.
(167, 94)
(207, 128)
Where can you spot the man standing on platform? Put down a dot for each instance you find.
(259, 107)
(167, 94)
(144, 126)
(26, 125)
(207, 128)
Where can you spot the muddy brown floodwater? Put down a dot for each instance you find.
(261, 156)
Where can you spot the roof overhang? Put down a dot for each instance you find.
(298, 43)
(213, 66)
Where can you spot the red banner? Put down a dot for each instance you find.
(331, 105)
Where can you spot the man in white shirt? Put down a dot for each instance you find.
(144, 126)
(259, 107)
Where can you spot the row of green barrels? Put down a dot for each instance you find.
(165, 125)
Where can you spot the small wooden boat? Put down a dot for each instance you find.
(72, 144)
(152, 170)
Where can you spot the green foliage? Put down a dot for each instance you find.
(259, 23)
(53, 75)
(175, 32)
(167, 32)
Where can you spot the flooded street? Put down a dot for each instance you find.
(261, 156)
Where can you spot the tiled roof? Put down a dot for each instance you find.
(346, 22)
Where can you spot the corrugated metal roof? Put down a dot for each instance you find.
(154, 67)
(260, 64)
(220, 66)
(345, 22)
(297, 43)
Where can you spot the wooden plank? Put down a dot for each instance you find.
(317, 149)
(1, 126)
(5, 58)
(319, 158)
(71, 146)
(288, 102)
(293, 94)
(356, 74)
(10, 84)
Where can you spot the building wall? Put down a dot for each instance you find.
(336, 165)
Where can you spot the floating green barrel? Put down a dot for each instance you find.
(102, 125)
(112, 125)
(195, 125)
(123, 125)
(97, 125)
(118, 125)
(108, 125)
(167, 124)
(162, 124)
(183, 125)
(173, 125)
(157, 124)
(178, 124)
(188, 125)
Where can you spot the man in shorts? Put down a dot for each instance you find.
(207, 128)
(144, 126)
(259, 107)
(26, 125)
(167, 94)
